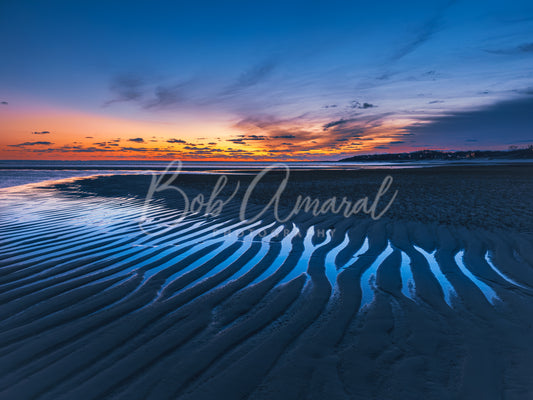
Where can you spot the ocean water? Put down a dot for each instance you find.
(21, 172)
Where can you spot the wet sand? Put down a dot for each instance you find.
(434, 300)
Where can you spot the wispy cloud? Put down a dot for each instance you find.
(339, 122)
(524, 48)
(31, 144)
(425, 33)
(151, 93)
(140, 149)
(310, 136)
(251, 77)
(126, 88)
(167, 96)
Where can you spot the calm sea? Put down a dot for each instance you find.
(20, 172)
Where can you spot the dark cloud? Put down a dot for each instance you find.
(176, 141)
(84, 150)
(134, 149)
(284, 137)
(511, 119)
(136, 140)
(435, 101)
(5, 103)
(240, 151)
(331, 124)
(242, 138)
(41, 133)
(89, 137)
(528, 91)
(356, 104)
(31, 144)
(68, 149)
(255, 137)
(354, 128)
(195, 148)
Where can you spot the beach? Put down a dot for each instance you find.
(109, 292)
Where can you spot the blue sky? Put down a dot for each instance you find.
(320, 78)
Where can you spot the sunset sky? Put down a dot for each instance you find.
(261, 80)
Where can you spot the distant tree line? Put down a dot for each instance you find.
(514, 152)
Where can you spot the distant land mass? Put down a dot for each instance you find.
(512, 153)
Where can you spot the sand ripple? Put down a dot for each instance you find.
(92, 306)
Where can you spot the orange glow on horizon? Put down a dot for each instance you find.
(75, 135)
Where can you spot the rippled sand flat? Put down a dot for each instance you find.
(103, 296)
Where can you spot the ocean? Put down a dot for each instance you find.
(21, 172)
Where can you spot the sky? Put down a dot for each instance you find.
(262, 80)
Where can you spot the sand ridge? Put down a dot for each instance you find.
(319, 307)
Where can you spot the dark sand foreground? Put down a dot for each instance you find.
(105, 296)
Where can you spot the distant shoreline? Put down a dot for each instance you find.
(434, 155)
(253, 165)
